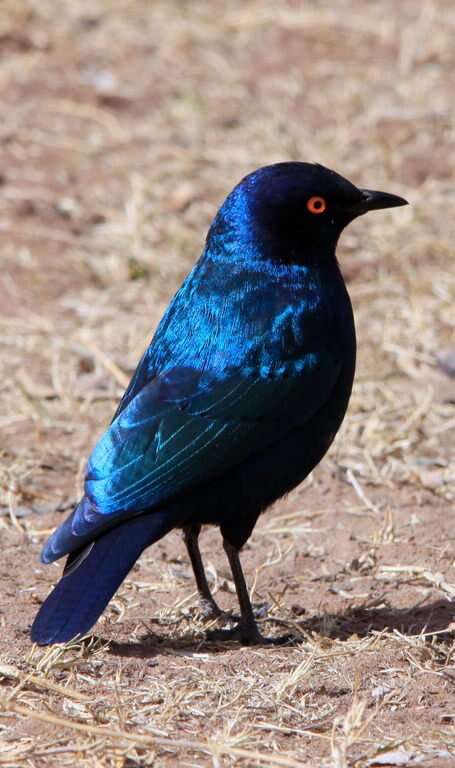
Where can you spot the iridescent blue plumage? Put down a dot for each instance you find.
(238, 396)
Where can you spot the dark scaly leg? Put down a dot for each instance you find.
(246, 631)
(209, 608)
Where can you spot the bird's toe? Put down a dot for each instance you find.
(246, 635)
(209, 610)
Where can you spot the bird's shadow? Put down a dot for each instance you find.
(429, 621)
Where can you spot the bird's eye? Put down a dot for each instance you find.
(316, 204)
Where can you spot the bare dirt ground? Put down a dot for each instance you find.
(123, 125)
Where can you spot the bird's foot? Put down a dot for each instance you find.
(260, 611)
(246, 634)
(209, 609)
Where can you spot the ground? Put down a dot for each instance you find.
(123, 125)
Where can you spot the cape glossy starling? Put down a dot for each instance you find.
(235, 401)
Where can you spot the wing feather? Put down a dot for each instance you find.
(180, 431)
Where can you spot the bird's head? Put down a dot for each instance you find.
(295, 212)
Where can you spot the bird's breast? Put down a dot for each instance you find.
(300, 324)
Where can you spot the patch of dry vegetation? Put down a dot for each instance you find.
(123, 124)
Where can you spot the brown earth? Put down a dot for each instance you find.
(124, 123)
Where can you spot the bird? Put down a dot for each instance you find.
(237, 398)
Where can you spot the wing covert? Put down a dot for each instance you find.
(183, 429)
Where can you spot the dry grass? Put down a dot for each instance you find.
(123, 125)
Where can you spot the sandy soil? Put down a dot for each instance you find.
(123, 125)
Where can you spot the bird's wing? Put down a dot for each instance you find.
(182, 430)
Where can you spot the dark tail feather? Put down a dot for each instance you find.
(92, 576)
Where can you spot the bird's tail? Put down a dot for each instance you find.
(92, 576)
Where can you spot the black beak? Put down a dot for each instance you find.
(371, 201)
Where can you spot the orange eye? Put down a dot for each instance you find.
(316, 204)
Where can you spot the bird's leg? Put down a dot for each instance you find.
(246, 631)
(209, 607)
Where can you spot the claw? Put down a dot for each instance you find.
(209, 609)
(246, 635)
